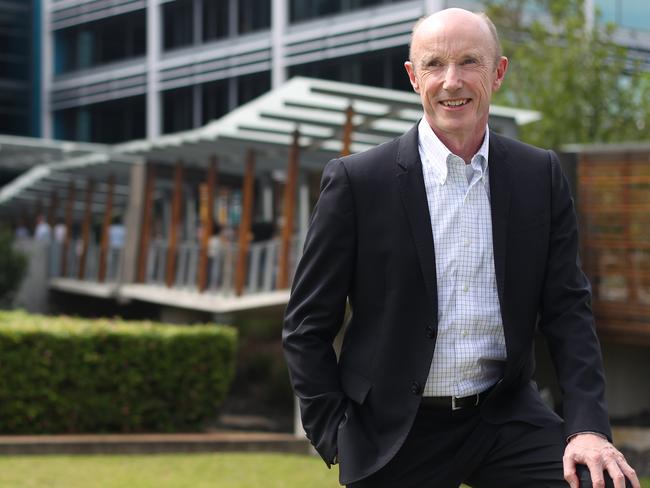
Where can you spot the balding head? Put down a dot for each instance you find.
(455, 16)
(455, 67)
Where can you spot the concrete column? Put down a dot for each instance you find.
(197, 108)
(303, 207)
(266, 184)
(233, 18)
(197, 21)
(233, 93)
(279, 21)
(133, 223)
(154, 44)
(197, 92)
(47, 71)
(431, 6)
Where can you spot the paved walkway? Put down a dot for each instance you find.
(152, 443)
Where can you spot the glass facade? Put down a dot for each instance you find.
(301, 10)
(252, 86)
(16, 67)
(180, 29)
(104, 41)
(631, 14)
(215, 19)
(177, 109)
(178, 24)
(215, 96)
(383, 68)
(216, 100)
(254, 15)
(106, 122)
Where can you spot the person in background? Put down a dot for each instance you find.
(43, 231)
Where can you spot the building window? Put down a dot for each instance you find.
(300, 10)
(177, 109)
(383, 68)
(106, 122)
(215, 19)
(252, 86)
(215, 98)
(108, 40)
(178, 24)
(254, 15)
(14, 107)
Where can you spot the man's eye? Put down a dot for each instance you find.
(469, 61)
(434, 63)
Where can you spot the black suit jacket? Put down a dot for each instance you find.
(370, 242)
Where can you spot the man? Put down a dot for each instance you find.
(453, 245)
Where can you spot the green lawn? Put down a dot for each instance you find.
(222, 470)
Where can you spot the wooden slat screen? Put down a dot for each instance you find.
(614, 214)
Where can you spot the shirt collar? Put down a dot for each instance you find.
(436, 154)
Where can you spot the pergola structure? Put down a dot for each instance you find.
(286, 135)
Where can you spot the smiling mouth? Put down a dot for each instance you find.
(459, 102)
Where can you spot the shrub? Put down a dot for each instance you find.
(13, 266)
(75, 375)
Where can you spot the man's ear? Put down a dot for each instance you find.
(502, 67)
(410, 69)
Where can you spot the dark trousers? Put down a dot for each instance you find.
(445, 449)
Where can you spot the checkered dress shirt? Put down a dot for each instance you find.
(470, 349)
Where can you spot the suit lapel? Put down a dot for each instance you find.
(500, 190)
(414, 198)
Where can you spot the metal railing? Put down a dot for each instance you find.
(261, 265)
(262, 261)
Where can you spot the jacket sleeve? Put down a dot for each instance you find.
(567, 320)
(316, 310)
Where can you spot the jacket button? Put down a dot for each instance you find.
(416, 389)
(430, 332)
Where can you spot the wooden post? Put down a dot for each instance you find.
(207, 218)
(68, 229)
(54, 204)
(108, 215)
(347, 131)
(177, 203)
(147, 219)
(38, 212)
(85, 236)
(288, 213)
(245, 223)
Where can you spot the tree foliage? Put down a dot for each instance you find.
(586, 86)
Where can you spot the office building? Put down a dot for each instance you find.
(129, 69)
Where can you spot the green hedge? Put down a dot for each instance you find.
(62, 374)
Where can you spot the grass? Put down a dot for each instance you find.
(220, 470)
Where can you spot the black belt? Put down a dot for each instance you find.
(455, 403)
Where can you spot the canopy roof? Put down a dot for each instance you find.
(22, 153)
(316, 108)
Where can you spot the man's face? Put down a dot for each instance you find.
(455, 71)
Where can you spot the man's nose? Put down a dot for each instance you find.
(453, 79)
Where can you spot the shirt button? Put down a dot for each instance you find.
(466, 288)
(464, 333)
(416, 389)
(466, 243)
(431, 333)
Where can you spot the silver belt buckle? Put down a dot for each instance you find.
(453, 404)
